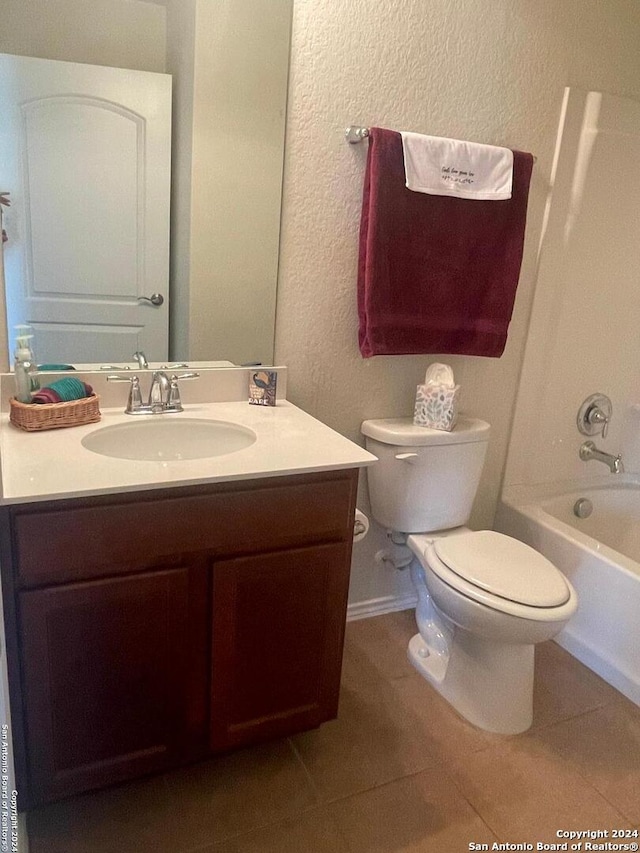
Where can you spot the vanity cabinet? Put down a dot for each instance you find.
(106, 686)
(155, 628)
(277, 642)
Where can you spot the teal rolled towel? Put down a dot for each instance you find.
(58, 368)
(63, 391)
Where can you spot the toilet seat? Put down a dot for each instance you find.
(504, 567)
(501, 573)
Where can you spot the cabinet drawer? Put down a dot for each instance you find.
(100, 536)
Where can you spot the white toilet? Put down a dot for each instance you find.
(484, 599)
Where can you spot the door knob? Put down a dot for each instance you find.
(155, 299)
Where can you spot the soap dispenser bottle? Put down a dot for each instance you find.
(25, 367)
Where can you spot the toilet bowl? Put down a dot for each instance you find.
(484, 599)
(492, 598)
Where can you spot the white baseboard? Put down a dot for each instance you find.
(379, 606)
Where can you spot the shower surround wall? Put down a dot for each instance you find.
(584, 334)
(584, 338)
(491, 72)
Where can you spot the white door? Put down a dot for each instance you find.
(85, 154)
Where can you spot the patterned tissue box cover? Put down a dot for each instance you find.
(436, 406)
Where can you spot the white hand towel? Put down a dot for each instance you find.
(439, 166)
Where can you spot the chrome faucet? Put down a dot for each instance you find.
(164, 393)
(159, 391)
(588, 451)
(141, 358)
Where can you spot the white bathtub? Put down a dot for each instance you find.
(601, 557)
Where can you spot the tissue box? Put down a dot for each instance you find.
(436, 406)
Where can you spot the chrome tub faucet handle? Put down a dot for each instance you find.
(594, 415)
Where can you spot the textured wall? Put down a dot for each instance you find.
(491, 72)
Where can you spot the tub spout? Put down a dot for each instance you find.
(588, 451)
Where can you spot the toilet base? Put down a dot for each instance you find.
(489, 683)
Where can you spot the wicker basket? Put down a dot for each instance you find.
(39, 416)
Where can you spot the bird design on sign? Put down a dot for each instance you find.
(262, 379)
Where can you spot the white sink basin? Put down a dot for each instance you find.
(157, 439)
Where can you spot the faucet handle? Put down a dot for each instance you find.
(135, 396)
(174, 402)
(190, 375)
(594, 415)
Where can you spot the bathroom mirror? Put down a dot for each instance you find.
(229, 63)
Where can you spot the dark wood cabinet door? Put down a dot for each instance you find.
(278, 632)
(114, 678)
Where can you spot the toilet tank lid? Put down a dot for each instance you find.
(404, 433)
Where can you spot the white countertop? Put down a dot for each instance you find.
(54, 464)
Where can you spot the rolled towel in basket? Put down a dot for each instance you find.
(63, 391)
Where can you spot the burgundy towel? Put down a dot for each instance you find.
(436, 274)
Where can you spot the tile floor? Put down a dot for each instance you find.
(397, 772)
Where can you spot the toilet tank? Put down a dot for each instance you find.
(426, 479)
